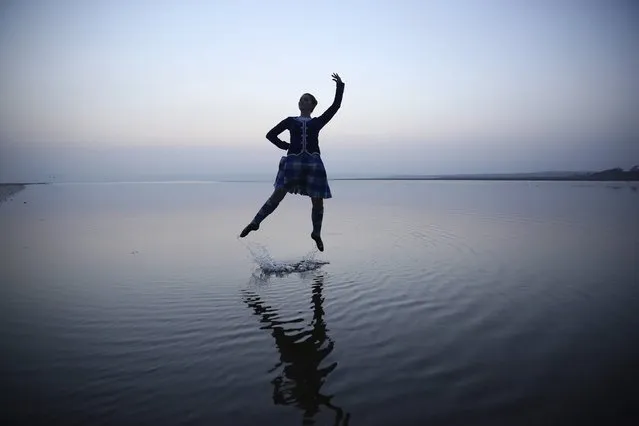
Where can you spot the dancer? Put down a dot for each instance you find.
(301, 171)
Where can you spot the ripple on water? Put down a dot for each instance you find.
(473, 314)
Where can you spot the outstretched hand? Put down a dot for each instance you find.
(337, 79)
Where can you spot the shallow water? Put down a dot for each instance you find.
(437, 303)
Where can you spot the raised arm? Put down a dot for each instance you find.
(273, 134)
(337, 102)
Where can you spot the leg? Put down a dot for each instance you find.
(269, 206)
(317, 214)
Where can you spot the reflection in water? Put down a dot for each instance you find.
(302, 350)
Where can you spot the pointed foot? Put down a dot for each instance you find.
(318, 241)
(250, 227)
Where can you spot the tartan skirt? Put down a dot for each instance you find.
(303, 174)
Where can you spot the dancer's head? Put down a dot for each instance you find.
(307, 103)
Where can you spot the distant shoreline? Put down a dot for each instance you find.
(610, 175)
(22, 183)
(9, 189)
(494, 178)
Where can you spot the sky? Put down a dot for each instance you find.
(99, 90)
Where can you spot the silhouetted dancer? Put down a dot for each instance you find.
(301, 171)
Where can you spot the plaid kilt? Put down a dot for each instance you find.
(303, 174)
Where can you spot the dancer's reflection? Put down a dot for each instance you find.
(302, 351)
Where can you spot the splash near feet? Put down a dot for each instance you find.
(268, 265)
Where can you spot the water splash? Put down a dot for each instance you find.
(268, 265)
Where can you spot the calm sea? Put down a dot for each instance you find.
(435, 303)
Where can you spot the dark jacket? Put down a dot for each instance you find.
(305, 133)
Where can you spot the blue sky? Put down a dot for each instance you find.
(431, 86)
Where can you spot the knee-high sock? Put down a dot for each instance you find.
(269, 206)
(317, 214)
